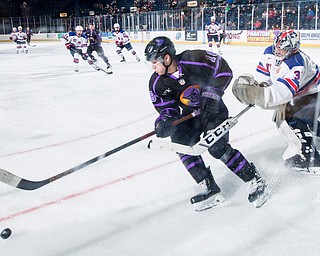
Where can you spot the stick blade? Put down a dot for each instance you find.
(18, 182)
(9, 178)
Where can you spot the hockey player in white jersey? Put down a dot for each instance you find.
(20, 38)
(122, 40)
(13, 35)
(76, 42)
(214, 31)
(288, 81)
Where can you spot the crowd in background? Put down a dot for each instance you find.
(267, 12)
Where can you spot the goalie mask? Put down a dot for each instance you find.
(286, 44)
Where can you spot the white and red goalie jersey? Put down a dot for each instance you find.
(295, 76)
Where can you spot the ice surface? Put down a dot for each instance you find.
(134, 202)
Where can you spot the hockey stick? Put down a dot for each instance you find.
(92, 64)
(206, 142)
(21, 183)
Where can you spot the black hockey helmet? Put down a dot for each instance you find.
(159, 47)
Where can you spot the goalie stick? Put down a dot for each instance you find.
(206, 142)
(21, 183)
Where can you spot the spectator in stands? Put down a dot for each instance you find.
(257, 25)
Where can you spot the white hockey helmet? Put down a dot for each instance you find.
(78, 28)
(20, 28)
(213, 18)
(286, 44)
(116, 25)
(14, 29)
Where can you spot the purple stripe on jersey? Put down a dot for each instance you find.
(224, 74)
(180, 69)
(193, 164)
(240, 166)
(234, 158)
(185, 157)
(154, 85)
(164, 103)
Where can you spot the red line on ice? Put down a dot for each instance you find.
(57, 201)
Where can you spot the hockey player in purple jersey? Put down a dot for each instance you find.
(95, 45)
(197, 79)
(288, 81)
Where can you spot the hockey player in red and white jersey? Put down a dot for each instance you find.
(214, 31)
(13, 35)
(76, 42)
(122, 40)
(20, 38)
(288, 81)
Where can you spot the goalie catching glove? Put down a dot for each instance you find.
(248, 91)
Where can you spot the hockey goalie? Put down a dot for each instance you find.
(288, 81)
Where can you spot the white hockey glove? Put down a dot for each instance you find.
(248, 91)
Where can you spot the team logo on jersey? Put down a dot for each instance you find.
(191, 96)
(181, 81)
(166, 91)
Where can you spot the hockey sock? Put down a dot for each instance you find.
(239, 165)
(195, 166)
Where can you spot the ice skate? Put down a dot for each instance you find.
(123, 59)
(76, 68)
(138, 59)
(304, 164)
(257, 192)
(26, 51)
(109, 69)
(209, 198)
(94, 60)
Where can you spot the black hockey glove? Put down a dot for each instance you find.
(164, 127)
(85, 56)
(210, 100)
(69, 46)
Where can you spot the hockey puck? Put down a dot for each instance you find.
(6, 233)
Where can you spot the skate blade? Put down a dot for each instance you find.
(209, 203)
(261, 200)
(309, 170)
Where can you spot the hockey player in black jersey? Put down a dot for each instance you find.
(95, 45)
(197, 79)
